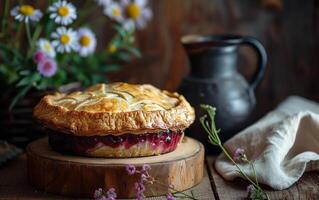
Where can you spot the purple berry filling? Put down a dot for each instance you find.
(80, 145)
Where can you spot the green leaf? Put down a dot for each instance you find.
(120, 30)
(8, 53)
(134, 51)
(110, 68)
(122, 56)
(29, 80)
(96, 78)
(92, 62)
(8, 74)
(49, 28)
(21, 93)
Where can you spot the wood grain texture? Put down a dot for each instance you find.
(307, 188)
(80, 176)
(14, 185)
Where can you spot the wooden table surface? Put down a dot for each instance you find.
(14, 185)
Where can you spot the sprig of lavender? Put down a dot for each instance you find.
(208, 122)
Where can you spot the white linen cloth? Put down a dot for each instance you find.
(280, 144)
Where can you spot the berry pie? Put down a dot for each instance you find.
(115, 120)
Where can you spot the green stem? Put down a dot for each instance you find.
(16, 41)
(35, 36)
(27, 28)
(176, 191)
(19, 96)
(240, 170)
(5, 14)
(254, 170)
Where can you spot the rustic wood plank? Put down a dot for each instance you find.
(14, 185)
(306, 188)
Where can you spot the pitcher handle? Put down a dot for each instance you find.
(262, 60)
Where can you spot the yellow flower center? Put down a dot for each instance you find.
(85, 40)
(116, 12)
(26, 10)
(112, 48)
(63, 11)
(64, 39)
(133, 11)
(47, 47)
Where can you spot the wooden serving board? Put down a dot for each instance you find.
(81, 176)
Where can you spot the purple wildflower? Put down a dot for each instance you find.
(140, 197)
(239, 153)
(146, 167)
(39, 56)
(131, 169)
(98, 193)
(111, 193)
(47, 67)
(144, 177)
(139, 188)
(169, 196)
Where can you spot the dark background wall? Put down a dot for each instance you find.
(288, 29)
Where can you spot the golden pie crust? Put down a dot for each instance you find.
(116, 109)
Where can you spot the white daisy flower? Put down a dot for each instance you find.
(136, 12)
(114, 11)
(26, 13)
(86, 41)
(104, 3)
(65, 40)
(45, 46)
(62, 12)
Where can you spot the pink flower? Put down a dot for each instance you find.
(239, 152)
(39, 56)
(131, 169)
(111, 193)
(47, 67)
(169, 196)
(146, 167)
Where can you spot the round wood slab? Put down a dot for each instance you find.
(81, 176)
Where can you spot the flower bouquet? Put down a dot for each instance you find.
(47, 47)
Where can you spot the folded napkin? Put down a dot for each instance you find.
(280, 144)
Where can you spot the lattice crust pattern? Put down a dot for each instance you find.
(117, 97)
(116, 108)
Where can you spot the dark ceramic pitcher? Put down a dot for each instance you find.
(214, 80)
